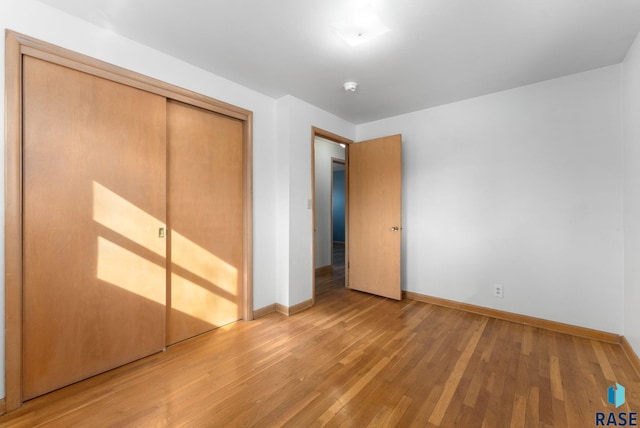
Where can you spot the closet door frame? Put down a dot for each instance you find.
(17, 46)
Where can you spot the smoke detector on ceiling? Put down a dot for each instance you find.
(350, 86)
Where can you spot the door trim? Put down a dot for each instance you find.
(317, 132)
(16, 46)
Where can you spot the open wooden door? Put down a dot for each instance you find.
(375, 216)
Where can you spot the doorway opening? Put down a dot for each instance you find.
(329, 212)
(331, 241)
(338, 217)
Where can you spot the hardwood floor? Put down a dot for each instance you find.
(354, 360)
(328, 280)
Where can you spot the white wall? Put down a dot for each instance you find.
(325, 152)
(295, 224)
(631, 71)
(282, 229)
(521, 188)
(39, 21)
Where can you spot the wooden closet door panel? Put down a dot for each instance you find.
(205, 217)
(94, 199)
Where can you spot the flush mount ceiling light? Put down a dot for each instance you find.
(350, 86)
(360, 25)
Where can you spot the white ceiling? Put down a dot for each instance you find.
(437, 52)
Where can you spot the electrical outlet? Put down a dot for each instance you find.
(498, 291)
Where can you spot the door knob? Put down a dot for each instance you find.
(395, 228)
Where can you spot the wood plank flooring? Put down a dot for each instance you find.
(353, 360)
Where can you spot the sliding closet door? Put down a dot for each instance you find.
(206, 219)
(94, 201)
